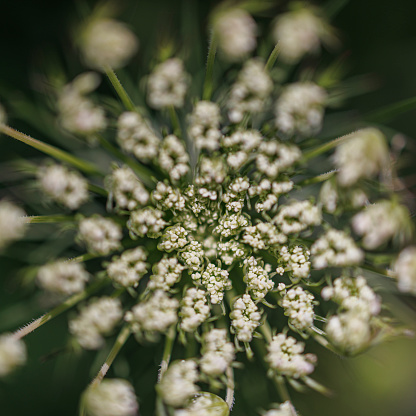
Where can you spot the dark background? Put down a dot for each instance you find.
(380, 39)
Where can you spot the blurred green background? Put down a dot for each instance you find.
(379, 38)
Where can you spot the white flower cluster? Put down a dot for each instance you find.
(95, 320)
(204, 125)
(298, 306)
(77, 113)
(100, 235)
(263, 236)
(269, 192)
(194, 309)
(245, 317)
(134, 135)
(405, 270)
(240, 145)
(295, 260)
(111, 397)
(285, 409)
(147, 221)
(107, 43)
(173, 157)
(193, 255)
(231, 224)
(174, 238)
(236, 192)
(166, 197)
(12, 222)
(126, 189)
(380, 222)
(177, 385)
(64, 186)
(335, 248)
(300, 109)
(167, 84)
(218, 354)
(129, 268)
(166, 273)
(257, 278)
(298, 33)
(297, 216)
(351, 329)
(204, 404)
(274, 157)
(215, 280)
(211, 171)
(236, 31)
(362, 154)
(156, 314)
(230, 251)
(63, 277)
(285, 355)
(12, 353)
(250, 91)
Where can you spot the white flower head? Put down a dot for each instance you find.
(236, 31)
(173, 157)
(405, 270)
(111, 397)
(64, 186)
(178, 384)
(63, 277)
(362, 154)
(194, 309)
(12, 222)
(100, 235)
(107, 43)
(298, 306)
(12, 353)
(167, 85)
(147, 221)
(245, 317)
(285, 409)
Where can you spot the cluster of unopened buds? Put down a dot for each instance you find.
(218, 237)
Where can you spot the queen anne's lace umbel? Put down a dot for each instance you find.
(204, 232)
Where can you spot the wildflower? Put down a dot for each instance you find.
(129, 268)
(166, 273)
(380, 222)
(215, 280)
(173, 158)
(298, 305)
(100, 235)
(64, 186)
(295, 260)
(193, 255)
(126, 189)
(167, 84)
(12, 222)
(268, 193)
(96, 319)
(257, 278)
(250, 91)
(12, 353)
(286, 358)
(300, 109)
(147, 221)
(134, 135)
(204, 404)
(245, 318)
(178, 383)
(166, 197)
(236, 31)
(194, 309)
(155, 315)
(218, 354)
(285, 409)
(111, 397)
(405, 270)
(107, 43)
(299, 33)
(175, 237)
(63, 277)
(204, 125)
(363, 154)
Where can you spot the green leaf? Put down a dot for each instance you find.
(391, 111)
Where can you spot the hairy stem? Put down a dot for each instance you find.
(167, 352)
(67, 304)
(229, 398)
(121, 92)
(208, 83)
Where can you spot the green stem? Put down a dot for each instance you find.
(69, 303)
(281, 388)
(317, 179)
(208, 83)
(49, 219)
(272, 58)
(167, 352)
(97, 189)
(176, 127)
(143, 173)
(120, 341)
(266, 331)
(121, 92)
(51, 150)
(324, 148)
(229, 398)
